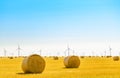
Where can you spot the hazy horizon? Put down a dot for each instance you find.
(49, 25)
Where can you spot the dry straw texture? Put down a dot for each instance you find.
(108, 56)
(10, 57)
(55, 58)
(81, 56)
(72, 62)
(116, 58)
(33, 64)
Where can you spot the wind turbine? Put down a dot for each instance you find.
(40, 52)
(19, 49)
(68, 51)
(5, 51)
(110, 50)
(105, 53)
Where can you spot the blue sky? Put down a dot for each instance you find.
(59, 22)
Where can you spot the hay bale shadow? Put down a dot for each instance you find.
(26, 73)
(68, 68)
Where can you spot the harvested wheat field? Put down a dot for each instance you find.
(93, 67)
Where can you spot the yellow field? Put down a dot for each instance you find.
(94, 67)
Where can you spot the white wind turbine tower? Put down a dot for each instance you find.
(5, 52)
(105, 53)
(40, 51)
(19, 49)
(110, 50)
(67, 51)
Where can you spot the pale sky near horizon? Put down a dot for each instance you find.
(86, 25)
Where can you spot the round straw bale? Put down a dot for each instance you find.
(116, 58)
(55, 58)
(108, 56)
(81, 56)
(33, 64)
(72, 62)
(10, 57)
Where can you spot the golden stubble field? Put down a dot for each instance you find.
(90, 67)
